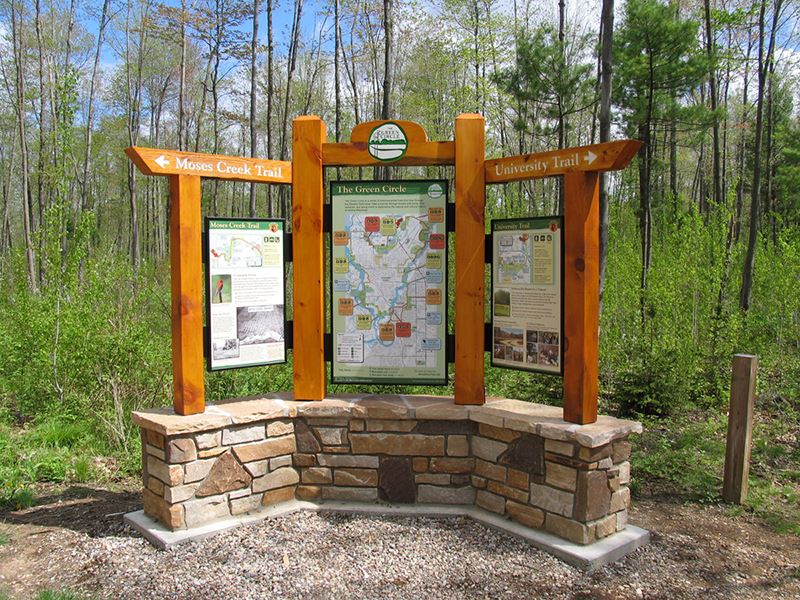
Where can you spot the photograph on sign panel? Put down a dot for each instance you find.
(221, 290)
(225, 348)
(508, 344)
(259, 324)
(502, 303)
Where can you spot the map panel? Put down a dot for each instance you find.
(389, 300)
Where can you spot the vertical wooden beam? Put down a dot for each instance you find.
(186, 276)
(740, 428)
(581, 295)
(308, 135)
(470, 279)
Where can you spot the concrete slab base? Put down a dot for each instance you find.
(592, 556)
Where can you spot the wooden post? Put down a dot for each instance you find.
(308, 135)
(740, 428)
(186, 276)
(581, 295)
(470, 239)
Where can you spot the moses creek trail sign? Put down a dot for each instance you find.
(245, 293)
(527, 294)
(389, 282)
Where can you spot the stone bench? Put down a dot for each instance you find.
(516, 459)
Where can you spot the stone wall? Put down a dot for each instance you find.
(508, 457)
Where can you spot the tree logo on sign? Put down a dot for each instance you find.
(387, 142)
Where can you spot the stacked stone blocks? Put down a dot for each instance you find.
(507, 459)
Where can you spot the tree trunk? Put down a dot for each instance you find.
(270, 91)
(253, 99)
(606, 45)
(712, 87)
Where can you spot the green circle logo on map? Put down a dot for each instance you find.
(387, 142)
(435, 191)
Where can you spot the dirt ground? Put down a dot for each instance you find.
(67, 541)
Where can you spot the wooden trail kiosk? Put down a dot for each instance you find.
(311, 154)
(517, 465)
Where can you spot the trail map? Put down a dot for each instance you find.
(515, 259)
(389, 265)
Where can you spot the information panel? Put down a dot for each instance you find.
(245, 293)
(527, 294)
(389, 282)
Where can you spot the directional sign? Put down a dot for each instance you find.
(609, 156)
(155, 161)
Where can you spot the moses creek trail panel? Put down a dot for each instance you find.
(389, 282)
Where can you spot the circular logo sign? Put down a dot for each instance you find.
(387, 142)
(435, 191)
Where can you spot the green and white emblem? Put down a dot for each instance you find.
(387, 142)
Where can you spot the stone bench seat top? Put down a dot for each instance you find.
(540, 419)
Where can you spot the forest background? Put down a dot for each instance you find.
(700, 236)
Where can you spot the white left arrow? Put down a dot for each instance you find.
(162, 161)
(590, 156)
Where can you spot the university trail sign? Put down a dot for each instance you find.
(563, 340)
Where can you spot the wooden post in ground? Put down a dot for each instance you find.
(740, 428)
(470, 239)
(308, 135)
(186, 276)
(581, 295)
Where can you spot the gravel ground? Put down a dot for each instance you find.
(78, 544)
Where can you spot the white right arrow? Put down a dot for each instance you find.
(162, 161)
(590, 156)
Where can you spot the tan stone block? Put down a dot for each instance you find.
(332, 436)
(258, 468)
(592, 496)
(490, 470)
(491, 502)
(605, 526)
(489, 450)
(624, 470)
(278, 428)
(507, 491)
(316, 475)
(552, 500)
(478, 482)
(205, 510)
(308, 492)
(397, 444)
(518, 479)
(620, 500)
(304, 460)
(172, 516)
(350, 461)
(435, 494)
(480, 414)
(211, 452)
(432, 478)
(181, 450)
(279, 495)
(613, 482)
(559, 447)
(266, 449)
(442, 411)
(169, 474)
(179, 493)
(155, 439)
(357, 425)
(565, 478)
(158, 453)
(524, 514)
(404, 425)
(621, 451)
(498, 433)
(242, 435)
(462, 479)
(197, 470)
(205, 441)
(329, 422)
(622, 520)
(457, 445)
(226, 474)
(355, 477)
(595, 454)
(569, 529)
(155, 486)
(337, 449)
(246, 504)
(276, 479)
(352, 494)
(419, 464)
(452, 465)
(279, 462)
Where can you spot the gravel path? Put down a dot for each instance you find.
(695, 552)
